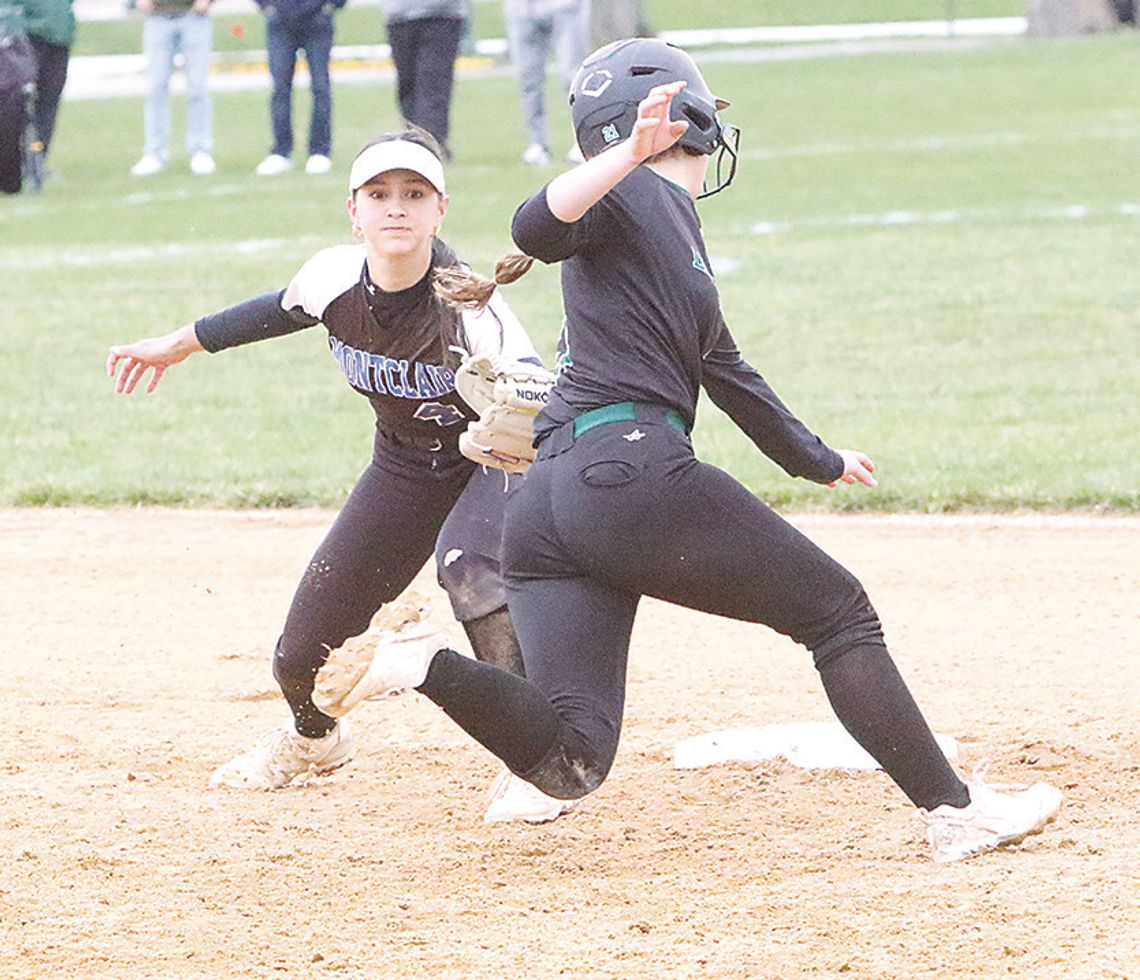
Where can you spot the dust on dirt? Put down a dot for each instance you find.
(137, 659)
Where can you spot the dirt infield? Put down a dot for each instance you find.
(136, 653)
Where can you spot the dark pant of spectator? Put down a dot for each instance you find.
(12, 120)
(284, 39)
(424, 52)
(51, 74)
(1125, 11)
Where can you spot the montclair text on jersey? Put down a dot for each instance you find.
(378, 374)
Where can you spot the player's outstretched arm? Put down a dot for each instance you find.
(126, 364)
(857, 468)
(572, 194)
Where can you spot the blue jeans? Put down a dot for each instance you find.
(163, 38)
(284, 38)
(531, 39)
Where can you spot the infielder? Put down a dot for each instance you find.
(616, 506)
(392, 338)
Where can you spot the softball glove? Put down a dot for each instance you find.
(507, 395)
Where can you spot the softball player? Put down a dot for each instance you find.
(616, 506)
(391, 337)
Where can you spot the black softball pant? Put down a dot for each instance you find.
(400, 509)
(627, 510)
(424, 52)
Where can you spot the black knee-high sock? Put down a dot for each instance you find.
(502, 711)
(494, 642)
(308, 719)
(872, 701)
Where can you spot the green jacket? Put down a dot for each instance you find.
(49, 20)
(167, 7)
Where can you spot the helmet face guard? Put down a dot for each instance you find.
(723, 165)
(612, 82)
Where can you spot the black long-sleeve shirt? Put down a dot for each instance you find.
(644, 323)
(389, 346)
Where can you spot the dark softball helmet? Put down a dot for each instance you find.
(612, 81)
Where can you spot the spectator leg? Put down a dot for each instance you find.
(197, 46)
(282, 46)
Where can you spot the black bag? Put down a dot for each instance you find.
(1125, 10)
(17, 58)
(17, 90)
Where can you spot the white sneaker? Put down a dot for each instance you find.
(516, 799)
(993, 819)
(536, 155)
(202, 164)
(274, 165)
(318, 163)
(148, 166)
(575, 155)
(355, 673)
(282, 756)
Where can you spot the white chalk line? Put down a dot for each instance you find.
(926, 144)
(1015, 521)
(907, 219)
(29, 259)
(319, 517)
(32, 205)
(941, 144)
(183, 194)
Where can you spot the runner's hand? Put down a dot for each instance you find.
(654, 132)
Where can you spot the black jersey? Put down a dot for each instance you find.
(391, 347)
(643, 319)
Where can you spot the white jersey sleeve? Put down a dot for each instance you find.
(327, 275)
(496, 330)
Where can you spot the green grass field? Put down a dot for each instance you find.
(899, 256)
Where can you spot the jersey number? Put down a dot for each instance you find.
(439, 413)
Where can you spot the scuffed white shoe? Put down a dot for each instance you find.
(318, 163)
(148, 166)
(283, 755)
(536, 155)
(202, 164)
(516, 799)
(993, 819)
(274, 165)
(355, 673)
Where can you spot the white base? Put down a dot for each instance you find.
(809, 745)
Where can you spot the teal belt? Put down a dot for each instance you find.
(629, 412)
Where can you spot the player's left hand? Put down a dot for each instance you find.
(857, 468)
(507, 395)
(654, 132)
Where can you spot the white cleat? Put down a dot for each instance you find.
(355, 673)
(318, 163)
(282, 756)
(202, 164)
(274, 165)
(148, 166)
(513, 798)
(993, 819)
(536, 155)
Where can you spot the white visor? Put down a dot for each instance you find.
(395, 155)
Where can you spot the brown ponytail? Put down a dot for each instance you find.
(465, 289)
